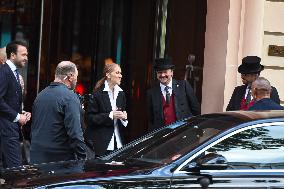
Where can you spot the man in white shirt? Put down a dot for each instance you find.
(11, 115)
(169, 99)
(250, 70)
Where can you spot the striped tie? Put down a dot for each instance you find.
(17, 75)
(168, 95)
(248, 98)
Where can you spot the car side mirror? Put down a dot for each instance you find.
(211, 161)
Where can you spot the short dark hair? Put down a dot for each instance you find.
(12, 47)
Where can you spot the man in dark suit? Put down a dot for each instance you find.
(56, 133)
(250, 70)
(261, 90)
(169, 99)
(11, 115)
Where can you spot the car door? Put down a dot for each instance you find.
(250, 157)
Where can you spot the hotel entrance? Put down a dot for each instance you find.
(131, 33)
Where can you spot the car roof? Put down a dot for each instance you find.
(227, 120)
(248, 116)
(255, 115)
(232, 119)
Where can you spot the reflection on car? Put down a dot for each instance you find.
(222, 150)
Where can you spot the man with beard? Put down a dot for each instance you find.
(56, 133)
(242, 97)
(11, 115)
(169, 99)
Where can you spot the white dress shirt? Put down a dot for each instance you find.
(247, 90)
(12, 67)
(112, 97)
(170, 88)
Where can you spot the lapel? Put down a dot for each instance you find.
(240, 95)
(176, 92)
(106, 101)
(119, 103)
(157, 97)
(14, 81)
(242, 92)
(176, 88)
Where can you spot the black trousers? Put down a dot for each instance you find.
(11, 151)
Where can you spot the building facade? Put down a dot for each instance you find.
(235, 29)
(134, 32)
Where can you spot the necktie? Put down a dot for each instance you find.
(17, 75)
(248, 98)
(168, 95)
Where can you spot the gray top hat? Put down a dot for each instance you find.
(163, 64)
(250, 64)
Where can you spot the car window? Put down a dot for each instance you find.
(173, 141)
(255, 148)
(174, 147)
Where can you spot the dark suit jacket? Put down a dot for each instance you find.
(185, 101)
(100, 126)
(10, 106)
(10, 101)
(239, 93)
(266, 104)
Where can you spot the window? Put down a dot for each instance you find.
(256, 148)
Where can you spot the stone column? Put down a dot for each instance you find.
(253, 27)
(234, 29)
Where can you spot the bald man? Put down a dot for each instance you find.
(56, 133)
(3, 56)
(261, 91)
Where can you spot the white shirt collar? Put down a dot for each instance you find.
(116, 87)
(169, 85)
(11, 65)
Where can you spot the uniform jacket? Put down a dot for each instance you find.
(56, 132)
(185, 102)
(266, 104)
(239, 93)
(100, 127)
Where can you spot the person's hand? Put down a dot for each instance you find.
(118, 114)
(28, 114)
(23, 119)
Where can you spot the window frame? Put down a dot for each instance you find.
(243, 127)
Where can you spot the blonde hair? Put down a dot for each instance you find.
(109, 67)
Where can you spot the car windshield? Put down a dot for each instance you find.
(173, 141)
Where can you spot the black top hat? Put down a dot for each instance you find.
(250, 64)
(163, 64)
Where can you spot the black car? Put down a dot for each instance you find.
(221, 150)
